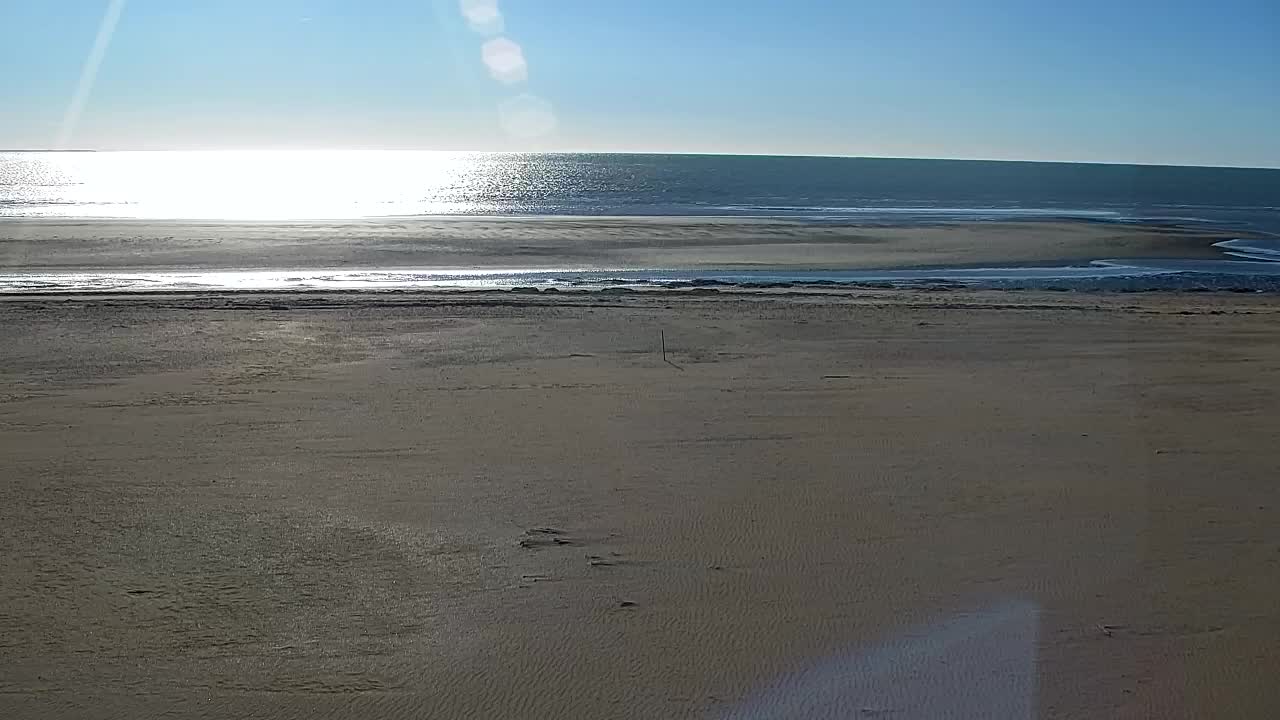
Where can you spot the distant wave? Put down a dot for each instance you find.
(899, 214)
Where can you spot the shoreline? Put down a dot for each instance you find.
(1265, 278)
(936, 296)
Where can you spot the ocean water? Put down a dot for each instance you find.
(333, 185)
(339, 185)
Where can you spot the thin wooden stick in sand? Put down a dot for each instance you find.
(662, 335)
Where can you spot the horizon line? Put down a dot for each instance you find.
(642, 152)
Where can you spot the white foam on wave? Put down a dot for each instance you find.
(1253, 249)
(18, 283)
(1211, 267)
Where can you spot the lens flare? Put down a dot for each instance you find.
(505, 61)
(528, 116)
(89, 73)
(524, 116)
(483, 16)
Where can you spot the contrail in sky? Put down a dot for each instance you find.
(89, 73)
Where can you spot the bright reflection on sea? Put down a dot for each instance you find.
(267, 185)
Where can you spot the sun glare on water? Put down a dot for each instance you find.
(275, 185)
(279, 185)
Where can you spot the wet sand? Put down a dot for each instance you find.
(897, 504)
(558, 243)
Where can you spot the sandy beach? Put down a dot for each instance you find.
(898, 504)
(609, 243)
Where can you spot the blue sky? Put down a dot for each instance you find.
(1116, 81)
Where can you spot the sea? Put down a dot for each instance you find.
(296, 186)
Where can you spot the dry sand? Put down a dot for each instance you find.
(888, 504)
(617, 243)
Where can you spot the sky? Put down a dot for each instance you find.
(1168, 82)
